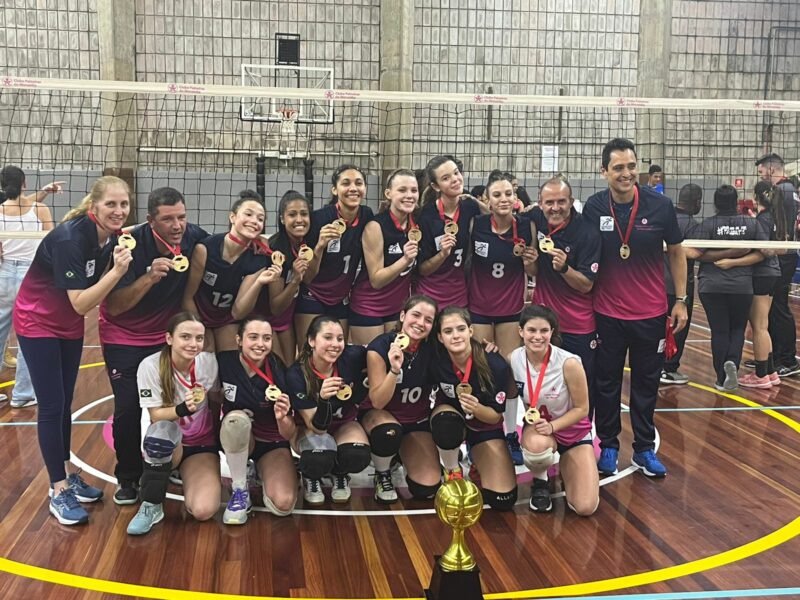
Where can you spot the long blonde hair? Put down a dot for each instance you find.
(166, 374)
(95, 194)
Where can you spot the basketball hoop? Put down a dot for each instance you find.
(288, 114)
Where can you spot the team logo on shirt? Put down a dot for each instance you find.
(593, 344)
(229, 391)
(399, 378)
(448, 389)
(438, 242)
(500, 398)
(606, 223)
(540, 235)
(482, 249)
(145, 393)
(335, 245)
(90, 268)
(395, 249)
(644, 221)
(594, 267)
(209, 278)
(69, 274)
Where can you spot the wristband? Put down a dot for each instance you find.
(323, 417)
(565, 269)
(395, 373)
(552, 428)
(182, 410)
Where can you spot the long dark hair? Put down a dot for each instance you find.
(337, 174)
(479, 360)
(430, 194)
(537, 311)
(280, 239)
(11, 181)
(304, 358)
(411, 303)
(166, 374)
(770, 196)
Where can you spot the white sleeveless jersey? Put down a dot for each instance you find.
(554, 395)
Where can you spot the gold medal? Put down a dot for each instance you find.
(345, 392)
(180, 263)
(546, 244)
(198, 393)
(414, 234)
(451, 227)
(340, 225)
(126, 240)
(519, 249)
(305, 253)
(272, 393)
(624, 251)
(278, 258)
(402, 340)
(463, 388)
(532, 415)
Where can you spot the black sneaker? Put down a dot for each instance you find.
(540, 496)
(789, 371)
(127, 493)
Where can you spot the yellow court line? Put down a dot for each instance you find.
(6, 384)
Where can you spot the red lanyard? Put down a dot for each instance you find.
(409, 225)
(533, 395)
(352, 223)
(175, 250)
(93, 219)
(320, 375)
(266, 374)
(442, 216)
(552, 232)
(256, 245)
(463, 377)
(634, 210)
(515, 239)
(187, 384)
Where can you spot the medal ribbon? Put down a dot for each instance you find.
(320, 375)
(552, 232)
(266, 374)
(192, 380)
(442, 216)
(463, 377)
(534, 397)
(175, 250)
(515, 239)
(256, 244)
(352, 223)
(409, 224)
(93, 219)
(632, 219)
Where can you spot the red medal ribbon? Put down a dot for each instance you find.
(93, 219)
(552, 232)
(258, 246)
(320, 375)
(409, 224)
(352, 223)
(632, 219)
(445, 218)
(463, 377)
(187, 384)
(534, 397)
(295, 249)
(266, 374)
(175, 250)
(515, 239)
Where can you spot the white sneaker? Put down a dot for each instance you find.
(312, 491)
(341, 489)
(238, 507)
(384, 488)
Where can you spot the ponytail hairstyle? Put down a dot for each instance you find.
(479, 361)
(537, 311)
(498, 175)
(430, 194)
(770, 196)
(11, 181)
(403, 172)
(280, 239)
(246, 196)
(411, 303)
(99, 188)
(337, 174)
(304, 358)
(166, 374)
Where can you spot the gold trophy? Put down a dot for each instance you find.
(459, 504)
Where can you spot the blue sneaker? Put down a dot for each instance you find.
(83, 491)
(66, 509)
(149, 514)
(514, 449)
(607, 465)
(238, 507)
(648, 462)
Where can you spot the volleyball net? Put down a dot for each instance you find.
(212, 141)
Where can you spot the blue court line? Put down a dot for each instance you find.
(696, 595)
(28, 423)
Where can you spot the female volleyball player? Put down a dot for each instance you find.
(473, 387)
(335, 236)
(258, 422)
(390, 242)
(218, 265)
(325, 386)
(557, 398)
(67, 279)
(396, 414)
(294, 219)
(176, 386)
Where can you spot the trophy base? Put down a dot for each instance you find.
(454, 585)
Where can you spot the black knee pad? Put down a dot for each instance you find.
(422, 492)
(449, 429)
(352, 458)
(316, 463)
(154, 482)
(384, 439)
(500, 501)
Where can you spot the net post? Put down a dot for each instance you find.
(261, 169)
(308, 176)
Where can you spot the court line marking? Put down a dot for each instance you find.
(699, 595)
(6, 384)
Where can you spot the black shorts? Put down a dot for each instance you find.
(487, 320)
(308, 305)
(423, 425)
(263, 448)
(358, 320)
(192, 450)
(478, 437)
(765, 286)
(562, 449)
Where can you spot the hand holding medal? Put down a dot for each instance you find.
(272, 392)
(464, 389)
(126, 240)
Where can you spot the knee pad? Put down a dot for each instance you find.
(270, 506)
(352, 458)
(384, 439)
(160, 441)
(500, 501)
(538, 461)
(234, 433)
(448, 429)
(155, 479)
(422, 492)
(317, 455)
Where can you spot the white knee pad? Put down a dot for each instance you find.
(234, 435)
(538, 461)
(270, 506)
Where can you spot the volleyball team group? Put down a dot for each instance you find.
(349, 339)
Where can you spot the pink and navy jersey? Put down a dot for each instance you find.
(221, 281)
(497, 281)
(411, 402)
(145, 323)
(69, 258)
(581, 242)
(366, 300)
(447, 285)
(447, 380)
(247, 393)
(285, 320)
(351, 367)
(342, 257)
(633, 288)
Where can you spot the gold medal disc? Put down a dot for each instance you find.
(127, 241)
(278, 258)
(180, 263)
(624, 251)
(305, 252)
(451, 227)
(519, 249)
(198, 393)
(532, 415)
(546, 244)
(345, 392)
(340, 225)
(402, 340)
(272, 393)
(414, 234)
(463, 388)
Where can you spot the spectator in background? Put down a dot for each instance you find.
(655, 179)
